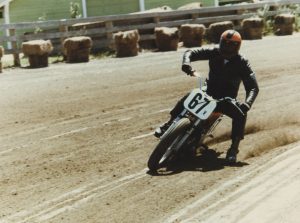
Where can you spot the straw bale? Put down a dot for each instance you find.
(78, 56)
(284, 19)
(193, 5)
(284, 24)
(253, 28)
(38, 61)
(166, 38)
(1, 55)
(37, 47)
(253, 23)
(77, 49)
(192, 34)
(283, 29)
(215, 30)
(78, 42)
(127, 43)
(1, 51)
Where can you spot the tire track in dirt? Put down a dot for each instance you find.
(73, 131)
(72, 199)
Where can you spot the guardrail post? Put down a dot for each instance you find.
(14, 44)
(156, 20)
(109, 35)
(195, 16)
(62, 29)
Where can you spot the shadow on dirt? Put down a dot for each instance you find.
(207, 161)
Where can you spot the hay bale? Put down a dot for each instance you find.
(193, 5)
(37, 47)
(1, 52)
(127, 43)
(253, 28)
(215, 30)
(284, 24)
(192, 34)
(77, 49)
(37, 52)
(284, 19)
(166, 38)
(1, 55)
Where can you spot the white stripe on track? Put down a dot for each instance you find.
(276, 172)
(78, 131)
(223, 187)
(142, 136)
(72, 199)
(70, 132)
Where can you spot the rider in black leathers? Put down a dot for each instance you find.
(227, 69)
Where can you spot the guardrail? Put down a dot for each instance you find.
(101, 29)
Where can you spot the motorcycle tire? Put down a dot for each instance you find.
(176, 130)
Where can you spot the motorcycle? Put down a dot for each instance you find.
(189, 129)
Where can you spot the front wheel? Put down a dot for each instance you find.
(163, 151)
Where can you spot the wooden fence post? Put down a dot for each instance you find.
(109, 35)
(63, 29)
(14, 44)
(156, 20)
(195, 16)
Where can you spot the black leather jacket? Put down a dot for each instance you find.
(224, 77)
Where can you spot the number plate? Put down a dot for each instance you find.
(200, 104)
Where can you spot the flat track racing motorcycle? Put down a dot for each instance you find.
(190, 128)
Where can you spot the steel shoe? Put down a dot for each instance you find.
(231, 155)
(162, 129)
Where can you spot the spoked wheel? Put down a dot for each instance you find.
(164, 152)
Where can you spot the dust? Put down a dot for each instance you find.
(262, 134)
(270, 140)
(273, 131)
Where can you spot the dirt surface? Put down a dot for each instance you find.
(75, 140)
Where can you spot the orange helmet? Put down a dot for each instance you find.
(230, 43)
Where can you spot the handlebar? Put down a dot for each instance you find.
(196, 74)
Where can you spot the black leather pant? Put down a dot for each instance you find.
(227, 108)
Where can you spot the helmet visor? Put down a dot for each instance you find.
(229, 48)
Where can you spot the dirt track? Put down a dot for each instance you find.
(75, 140)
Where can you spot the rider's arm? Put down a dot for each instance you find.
(193, 55)
(199, 54)
(250, 83)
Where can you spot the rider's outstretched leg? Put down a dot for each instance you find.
(238, 127)
(174, 113)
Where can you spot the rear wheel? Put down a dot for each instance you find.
(163, 152)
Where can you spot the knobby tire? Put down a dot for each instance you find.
(176, 130)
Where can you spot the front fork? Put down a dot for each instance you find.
(186, 140)
(201, 130)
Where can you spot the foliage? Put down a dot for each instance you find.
(37, 29)
(104, 53)
(269, 19)
(75, 10)
(296, 12)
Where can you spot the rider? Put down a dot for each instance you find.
(227, 69)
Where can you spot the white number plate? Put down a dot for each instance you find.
(200, 104)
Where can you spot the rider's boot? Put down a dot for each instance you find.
(233, 150)
(163, 128)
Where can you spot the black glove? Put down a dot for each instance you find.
(244, 107)
(187, 68)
